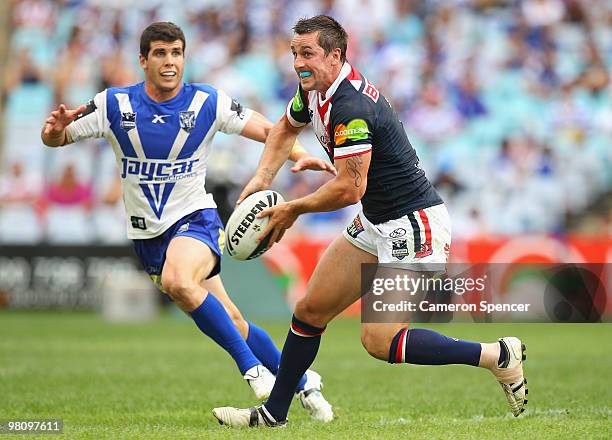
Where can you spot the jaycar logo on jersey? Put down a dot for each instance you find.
(187, 120)
(157, 171)
(355, 130)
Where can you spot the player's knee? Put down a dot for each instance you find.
(305, 311)
(180, 288)
(374, 344)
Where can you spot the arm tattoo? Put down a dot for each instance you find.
(267, 174)
(352, 166)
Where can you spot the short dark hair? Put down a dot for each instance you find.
(160, 31)
(331, 34)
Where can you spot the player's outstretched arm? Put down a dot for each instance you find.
(258, 128)
(346, 189)
(54, 133)
(279, 144)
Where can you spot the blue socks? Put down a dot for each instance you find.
(263, 347)
(299, 352)
(427, 347)
(212, 319)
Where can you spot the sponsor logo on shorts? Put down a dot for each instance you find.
(128, 120)
(183, 228)
(221, 240)
(355, 130)
(399, 249)
(355, 228)
(397, 233)
(426, 249)
(157, 281)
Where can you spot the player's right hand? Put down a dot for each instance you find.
(61, 118)
(257, 183)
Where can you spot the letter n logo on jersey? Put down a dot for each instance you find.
(187, 120)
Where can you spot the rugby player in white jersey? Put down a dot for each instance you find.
(403, 221)
(161, 131)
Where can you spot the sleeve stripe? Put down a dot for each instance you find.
(353, 150)
(291, 119)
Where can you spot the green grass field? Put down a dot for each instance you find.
(161, 379)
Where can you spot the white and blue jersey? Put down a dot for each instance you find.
(161, 148)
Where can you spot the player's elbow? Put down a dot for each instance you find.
(351, 195)
(350, 199)
(266, 132)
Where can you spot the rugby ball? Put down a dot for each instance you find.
(244, 228)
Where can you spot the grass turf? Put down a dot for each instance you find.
(161, 379)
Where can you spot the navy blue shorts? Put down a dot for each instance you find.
(204, 225)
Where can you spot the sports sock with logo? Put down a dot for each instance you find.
(427, 347)
(212, 319)
(262, 346)
(298, 354)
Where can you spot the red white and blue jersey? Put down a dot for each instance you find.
(161, 148)
(355, 118)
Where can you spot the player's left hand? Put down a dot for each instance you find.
(62, 118)
(282, 217)
(313, 163)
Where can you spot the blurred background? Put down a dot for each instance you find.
(508, 104)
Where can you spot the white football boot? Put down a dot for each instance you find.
(313, 401)
(247, 418)
(510, 374)
(261, 381)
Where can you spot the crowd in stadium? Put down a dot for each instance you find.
(508, 103)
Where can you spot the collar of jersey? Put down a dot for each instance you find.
(344, 72)
(167, 102)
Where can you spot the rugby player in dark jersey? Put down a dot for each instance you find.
(403, 221)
